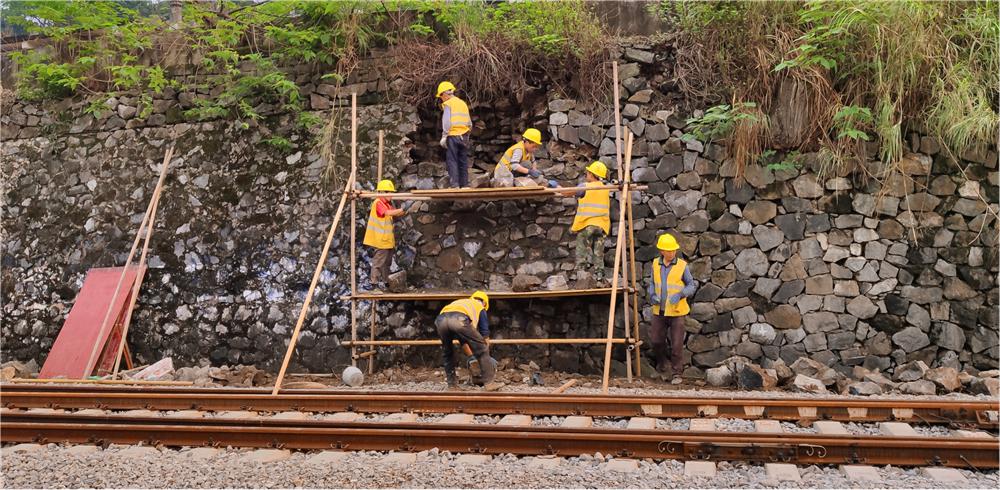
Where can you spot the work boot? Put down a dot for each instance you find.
(452, 381)
(488, 366)
(474, 369)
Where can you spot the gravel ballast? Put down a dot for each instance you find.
(55, 467)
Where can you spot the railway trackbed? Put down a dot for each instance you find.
(972, 414)
(776, 430)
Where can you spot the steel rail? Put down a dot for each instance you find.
(964, 413)
(492, 439)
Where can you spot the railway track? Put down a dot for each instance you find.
(566, 440)
(633, 427)
(973, 414)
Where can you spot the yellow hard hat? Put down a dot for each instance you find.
(667, 242)
(444, 87)
(533, 135)
(599, 169)
(385, 185)
(482, 296)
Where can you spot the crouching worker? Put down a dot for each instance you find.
(671, 286)
(465, 320)
(519, 161)
(379, 235)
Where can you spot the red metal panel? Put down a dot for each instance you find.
(82, 328)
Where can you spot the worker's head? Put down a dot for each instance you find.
(597, 171)
(668, 247)
(445, 90)
(532, 139)
(483, 298)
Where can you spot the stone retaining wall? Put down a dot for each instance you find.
(792, 263)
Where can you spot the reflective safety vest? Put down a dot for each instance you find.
(507, 155)
(461, 121)
(594, 209)
(675, 283)
(468, 307)
(379, 232)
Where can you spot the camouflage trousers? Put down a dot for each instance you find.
(590, 251)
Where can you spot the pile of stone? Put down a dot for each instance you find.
(239, 375)
(807, 375)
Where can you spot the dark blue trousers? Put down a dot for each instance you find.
(457, 160)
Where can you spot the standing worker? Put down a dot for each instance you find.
(380, 236)
(518, 160)
(456, 122)
(465, 320)
(671, 286)
(592, 224)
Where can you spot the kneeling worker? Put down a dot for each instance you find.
(672, 284)
(518, 160)
(465, 320)
(379, 234)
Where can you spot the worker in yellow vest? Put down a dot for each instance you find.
(518, 160)
(465, 320)
(380, 236)
(671, 286)
(592, 224)
(456, 122)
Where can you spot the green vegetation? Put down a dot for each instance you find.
(873, 70)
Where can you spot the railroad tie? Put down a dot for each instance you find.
(238, 415)
(830, 428)
(140, 413)
(342, 417)
(515, 420)
(290, 416)
(577, 422)
(973, 434)
(185, 414)
(860, 472)
(622, 465)
(325, 458)
(641, 423)
(782, 472)
(267, 455)
(768, 426)
(699, 469)
(457, 418)
(401, 417)
(702, 425)
(943, 474)
(473, 459)
(200, 453)
(544, 462)
(897, 429)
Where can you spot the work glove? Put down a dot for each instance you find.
(676, 298)
(534, 173)
(553, 184)
(444, 141)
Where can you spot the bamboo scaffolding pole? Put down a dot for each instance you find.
(128, 262)
(621, 202)
(321, 263)
(485, 193)
(354, 273)
(386, 343)
(137, 284)
(371, 352)
(449, 295)
(371, 336)
(381, 145)
(614, 276)
(565, 386)
(635, 289)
